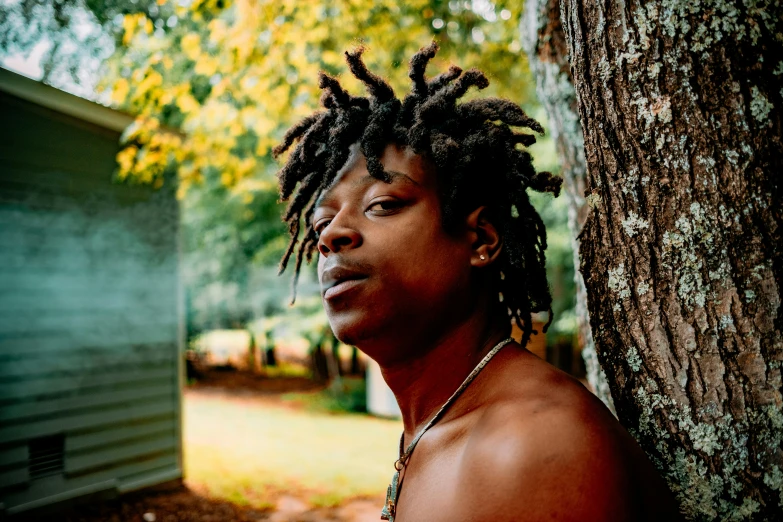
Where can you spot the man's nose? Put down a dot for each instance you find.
(338, 236)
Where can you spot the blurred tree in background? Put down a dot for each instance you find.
(232, 75)
(245, 71)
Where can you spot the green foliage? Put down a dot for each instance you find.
(559, 265)
(559, 253)
(244, 71)
(344, 395)
(285, 370)
(232, 75)
(78, 34)
(225, 234)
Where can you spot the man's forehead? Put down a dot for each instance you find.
(355, 176)
(361, 180)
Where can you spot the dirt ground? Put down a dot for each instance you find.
(178, 503)
(246, 383)
(184, 505)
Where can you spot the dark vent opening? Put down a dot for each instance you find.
(46, 456)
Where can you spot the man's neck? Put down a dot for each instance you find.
(422, 384)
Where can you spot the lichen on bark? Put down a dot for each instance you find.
(682, 249)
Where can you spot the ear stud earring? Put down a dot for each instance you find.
(482, 257)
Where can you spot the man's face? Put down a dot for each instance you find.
(387, 268)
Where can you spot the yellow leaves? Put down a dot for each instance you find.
(216, 116)
(261, 58)
(246, 166)
(120, 91)
(125, 159)
(131, 24)
(263, 126)
(152, 80)
(250, 116)
(191, 45)
(248, 186)
(220, 88)
(242, 43)
(206, 65)
(235, 129)
(140, 129)
(187, 103)
(199, 145)
(319, 32)
(264, 146)
(333, 58)
(180, 153)
(234, 170)
(147, 153)
(217, 30)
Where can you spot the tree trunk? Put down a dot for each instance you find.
(270, 358)
(355, 361)
(544, 42)
(681, 250)
(319, 364)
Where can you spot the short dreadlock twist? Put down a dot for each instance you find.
(471, 144)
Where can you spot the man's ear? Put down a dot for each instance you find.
(486, 241)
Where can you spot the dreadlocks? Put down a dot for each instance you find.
(479, 159)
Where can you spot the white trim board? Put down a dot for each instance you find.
(63, 102)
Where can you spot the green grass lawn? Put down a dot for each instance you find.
(251, 450)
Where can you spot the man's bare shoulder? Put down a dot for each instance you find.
(543, 447)
(526, 394)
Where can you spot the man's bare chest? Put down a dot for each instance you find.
(430, 485)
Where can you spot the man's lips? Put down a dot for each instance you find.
(342, 287)
(337, 280)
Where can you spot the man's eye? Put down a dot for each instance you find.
(321, 225)
(386, 206)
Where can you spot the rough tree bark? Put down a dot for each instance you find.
(544, 41)
(682, 252)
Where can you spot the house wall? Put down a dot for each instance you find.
(89, 316)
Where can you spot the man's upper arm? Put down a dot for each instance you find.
(551, 466)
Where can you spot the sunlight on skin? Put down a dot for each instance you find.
(250, 451)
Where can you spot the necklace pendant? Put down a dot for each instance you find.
(390, 507)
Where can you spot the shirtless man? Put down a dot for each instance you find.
(428, 249)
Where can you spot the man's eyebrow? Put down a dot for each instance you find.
(368, 180)
(399, 175)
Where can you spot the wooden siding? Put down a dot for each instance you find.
(90, 325)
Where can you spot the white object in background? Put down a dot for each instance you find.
(380, 399)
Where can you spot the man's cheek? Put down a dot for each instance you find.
(320, 265)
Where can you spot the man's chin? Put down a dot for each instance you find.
(347, 334)
(351, 328)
